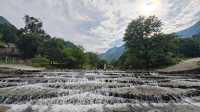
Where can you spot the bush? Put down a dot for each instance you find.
(2, 44)
(40, 61)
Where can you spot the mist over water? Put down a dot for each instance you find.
(99, 91)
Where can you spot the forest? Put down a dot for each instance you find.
(35, 45)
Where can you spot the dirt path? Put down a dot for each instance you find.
(187, 65)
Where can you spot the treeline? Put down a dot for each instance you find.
(43, 50)
(149, 48)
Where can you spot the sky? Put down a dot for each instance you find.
(98, 25)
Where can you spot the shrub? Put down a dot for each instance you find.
(40, 61)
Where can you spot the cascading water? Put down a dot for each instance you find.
(98, 91)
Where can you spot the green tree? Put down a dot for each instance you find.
(101, 64)
(146, 46)
(189, 47)
(28, 45)
(8, 33)
(92, 59)
(53, 49)
(32, 25)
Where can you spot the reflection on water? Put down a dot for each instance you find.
(89, 91)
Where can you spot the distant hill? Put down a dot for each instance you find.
(4, 21)
(5, 24)
(113, 53)
(7, 31)
(191, 31)
(70, 45)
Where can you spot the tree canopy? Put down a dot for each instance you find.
(34, 42)
(147, 47)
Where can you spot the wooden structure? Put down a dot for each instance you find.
(9, 50)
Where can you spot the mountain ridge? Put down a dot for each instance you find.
(113, 53)
(4, 21)
(191, 31)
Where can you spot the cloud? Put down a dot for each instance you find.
(97, 24)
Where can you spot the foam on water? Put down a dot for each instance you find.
(99, 91)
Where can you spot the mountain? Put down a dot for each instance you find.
(5, 24)
(4, 21)
(113, 53)
(191, 31)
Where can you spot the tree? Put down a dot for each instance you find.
(146, 46)
(31, 38)
(68, 44)
(8, 33)
(189, 47)
(53, 48)
(28, 45)
(92, 59)
(75, 55)
(32, 25)
(162, 50)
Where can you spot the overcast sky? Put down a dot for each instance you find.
(99, 24)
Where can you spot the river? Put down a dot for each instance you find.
(99, 91)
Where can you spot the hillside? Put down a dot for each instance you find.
(113, 53)
(4, 21)
(191, 31)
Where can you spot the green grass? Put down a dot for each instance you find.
(8, 61)
(2, 44)
(40, 62)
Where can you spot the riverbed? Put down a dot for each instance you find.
(99, 91)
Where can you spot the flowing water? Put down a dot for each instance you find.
(99, 91)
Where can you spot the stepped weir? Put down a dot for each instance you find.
(99, 91)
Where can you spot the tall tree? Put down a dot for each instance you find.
(28, 45)
(189, 47)
(8, 33)
(92, 59)
(145, 43)
(53, 48)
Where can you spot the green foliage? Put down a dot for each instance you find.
(28, 45)
(189, 47)
(8, 33)
(101, 64)
(140, 30)
(92, 59)
(4, 21)
(40, 61)
(32, 25)
(2, 44)
(68, 44)
(146, 46)
(32, 41)
(53, 48)
(74, 55)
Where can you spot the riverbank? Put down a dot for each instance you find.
(186, 66)
(18, 68)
